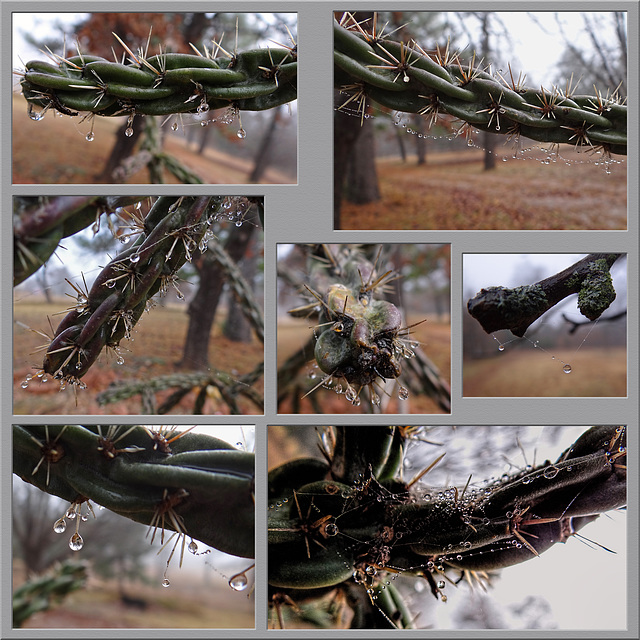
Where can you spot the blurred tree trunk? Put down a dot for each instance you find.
(237, 328)
(401, 145)
(122, 149)
(261, 161)
(421, 143)
(345, 133)
(362, 179)
(488, 139)
(354, 176)
(204, 139)
(203, 307)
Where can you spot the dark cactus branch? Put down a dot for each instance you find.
(517, 309)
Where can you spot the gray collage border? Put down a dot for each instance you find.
(303, 213)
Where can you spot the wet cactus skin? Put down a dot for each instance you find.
(357, 333)
(359, 346)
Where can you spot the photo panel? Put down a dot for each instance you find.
(133, 527)
(130, 305)
(155, 97)
(442, 527)
(545, 325)
(364, 328)
(494, 120)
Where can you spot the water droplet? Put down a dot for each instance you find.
(35, 115)
(60, 526)
(375, 399)
(567, 368)
(371, 571)
(441, 584)
(174, 126)
(238, 223)
(238, 582)
(403, 393)
(119, 360)
(76, 542)
(71, 513)
(165, 583)
(110, 284)
(242, 134)
(331, 529)
(128, 132)
(193, 547)
(24, 384)
(501, 347)
(135, 258)
(550, 472)
(350, 394)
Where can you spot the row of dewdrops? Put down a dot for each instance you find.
(598, 157)
(238, 582)
(228, 116)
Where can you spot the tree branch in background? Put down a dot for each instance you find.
(575, 325)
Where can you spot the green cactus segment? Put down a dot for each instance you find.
(162, 85)
(354, 454)
(596, 293)
(294, 570)
(173, 229)
(295, 473)
(42, 592)
(357, 334)
(144, 474)
(405, 78)
(353, 526)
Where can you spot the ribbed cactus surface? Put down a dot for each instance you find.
(190, 483)
(162, 84)
(406, 78)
